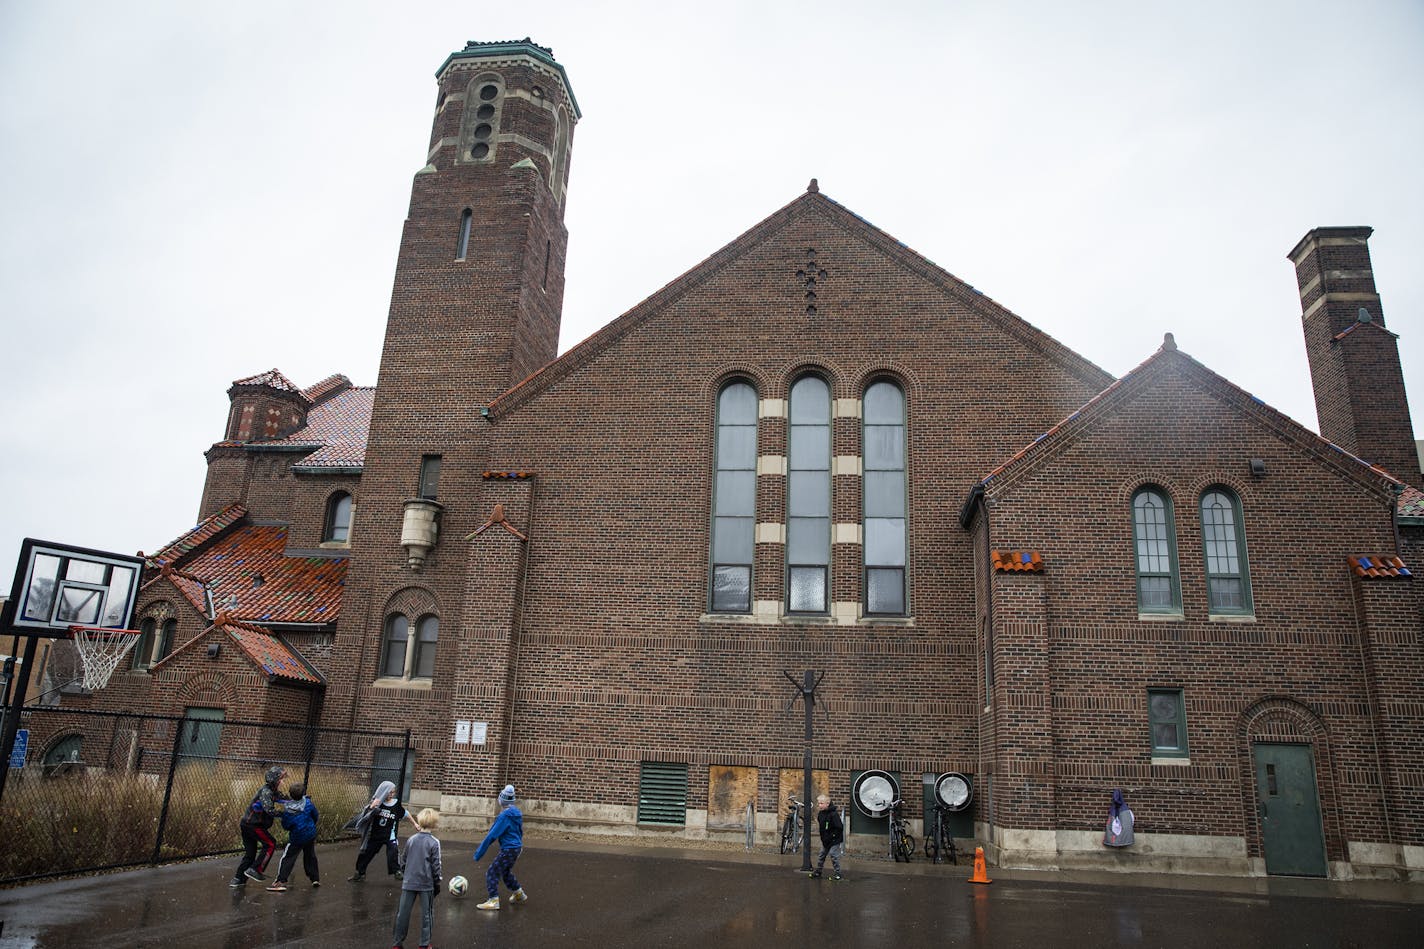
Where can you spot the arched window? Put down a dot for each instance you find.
(427, 631)
(1155, 546)
(808, 498)
(338, 518)
(62, 753)
(462, 245)
(1228, 584)
(143, 649)
(165, 642)
(393, 647)
(884, 441)
(734, 499)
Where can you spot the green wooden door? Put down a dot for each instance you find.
(1290, 810)
(202, 733)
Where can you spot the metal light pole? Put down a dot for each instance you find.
(806, 691)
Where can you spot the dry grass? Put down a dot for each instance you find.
(99, 819)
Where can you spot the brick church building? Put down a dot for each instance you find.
(589, 573)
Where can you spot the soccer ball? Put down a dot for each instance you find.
(459, 886)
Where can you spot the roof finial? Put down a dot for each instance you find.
(1169, 342)
(813, 187)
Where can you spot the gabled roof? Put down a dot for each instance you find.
(271, 654)
(192, 588)
(1170, 359)
(252, 580)
(205, 530)
(810, 203)
(336, 430)
(272, 379)
(267, 651)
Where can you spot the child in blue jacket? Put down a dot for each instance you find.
(299, 816)
(508, 829)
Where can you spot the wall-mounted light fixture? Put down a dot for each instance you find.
(1258, 467)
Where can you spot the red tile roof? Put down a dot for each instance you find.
(271, 378)
(1411, 502)
(318, 391)
(272, 655)
(1024, 561)
(252, 580)
(1373, 567)
(206, 529)
(337, 429)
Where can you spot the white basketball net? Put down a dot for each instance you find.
(101, 650)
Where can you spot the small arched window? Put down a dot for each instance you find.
(394, 645)
(143, 649)
(884, 447)
(1228, 582)
(808, 498)
(1155, 548)
(338, 519)
(734, 499)
(462, 245)
(165, 642)
(427, 631)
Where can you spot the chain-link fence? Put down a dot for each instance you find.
(101, 790)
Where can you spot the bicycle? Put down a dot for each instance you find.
(902, 844)
(794, 825)
(938, 839)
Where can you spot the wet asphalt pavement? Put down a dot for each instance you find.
(608, 896)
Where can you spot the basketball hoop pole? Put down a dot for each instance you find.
(17, 704)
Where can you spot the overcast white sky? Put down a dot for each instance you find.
(195, 192)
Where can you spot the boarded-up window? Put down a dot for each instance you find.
(729, 789)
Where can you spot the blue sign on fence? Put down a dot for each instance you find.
(22, 744)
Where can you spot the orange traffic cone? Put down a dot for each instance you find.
(980, 876)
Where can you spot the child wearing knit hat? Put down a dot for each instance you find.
(508, 829)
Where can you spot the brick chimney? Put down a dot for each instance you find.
(1354, 359)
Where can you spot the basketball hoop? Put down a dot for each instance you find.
(101, 650)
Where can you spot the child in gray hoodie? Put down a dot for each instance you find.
(421, 867)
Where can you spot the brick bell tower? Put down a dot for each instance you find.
(1354, 359)
(475, 308)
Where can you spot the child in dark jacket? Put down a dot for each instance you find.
(508, 829)
(421, 878)
(380, 822)
(299, 817)
(256, 828)
(832, 829)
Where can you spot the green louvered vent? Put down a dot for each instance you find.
(662, 793)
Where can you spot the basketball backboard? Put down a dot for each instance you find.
(58, 586)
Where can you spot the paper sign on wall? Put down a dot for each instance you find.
(477, 732)
(462, 733)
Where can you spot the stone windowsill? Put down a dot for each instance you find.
(1172, 762)
(1231, 618)
(1162, 617)
(391, 682)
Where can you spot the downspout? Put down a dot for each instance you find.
(514, 637)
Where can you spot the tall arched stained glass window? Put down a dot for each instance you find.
(1228, 584)
(1155, 546)
(734, 499)
(884, 440)
(808, 498)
